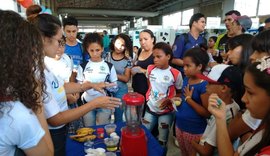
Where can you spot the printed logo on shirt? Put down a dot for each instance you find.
(166, 78)
(55, 84)
(102, 68)
(152, 77)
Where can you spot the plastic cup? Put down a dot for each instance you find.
(110, 128)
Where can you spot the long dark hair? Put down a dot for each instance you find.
(243, 40)
(21, 57)
(262, 80)
(128, 43)
(48, 25)
(261, 42)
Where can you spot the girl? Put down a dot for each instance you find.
(96, 70)
(212, 52)
(256, 98)
(145, 58)
(240, 50)
(192, 113)
(23, 126)
(55, 103)
(121, 46)
(163, 83)
(244, 123)
(61, 66)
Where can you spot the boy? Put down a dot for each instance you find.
(223, 80)
(73, 48)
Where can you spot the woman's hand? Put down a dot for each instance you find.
(136, 69)
(217, 107)
(72, 98)
(106, 102)
(98, 86)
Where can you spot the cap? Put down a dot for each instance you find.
(224, 74)
(267, 20)
(244, 21)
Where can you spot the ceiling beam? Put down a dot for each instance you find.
(93, 22)
(106, 12)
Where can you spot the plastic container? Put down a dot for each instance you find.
(100, 133)
(88, 146)
(111, 144)
(110, 128)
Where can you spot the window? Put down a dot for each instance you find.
(264, 7)
(186, 16)
(246, 7)
(172, 20)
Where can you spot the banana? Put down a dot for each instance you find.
(85, 138)
(84, 134)
(85, 131)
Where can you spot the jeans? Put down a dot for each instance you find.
(97, 116)
(59, 140)
(164, 123)
(122, 90)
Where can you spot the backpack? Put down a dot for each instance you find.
(186, 40)
(171, 89)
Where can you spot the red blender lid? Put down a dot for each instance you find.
(133, 99)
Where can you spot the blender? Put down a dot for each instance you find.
(133, 138)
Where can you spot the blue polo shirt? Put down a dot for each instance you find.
(180, 46)
(75, 52)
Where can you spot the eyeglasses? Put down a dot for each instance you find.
(61, 42)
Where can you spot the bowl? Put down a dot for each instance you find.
(110, 128)
(111, 144)
(88, 146)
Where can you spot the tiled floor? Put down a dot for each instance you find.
(172, 149)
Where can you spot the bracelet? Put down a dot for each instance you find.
(81, 87)
(187, 97)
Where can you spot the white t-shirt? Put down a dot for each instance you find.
(55, 100)
(61, 68)
(250, 121)
(209, 134)
(95, 72)
(19, 127)
(160, 81)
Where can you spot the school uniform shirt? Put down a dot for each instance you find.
(55, 99)
(61, 68)
(95, 72)
(209, 134)
(19, 127)
(159, 88)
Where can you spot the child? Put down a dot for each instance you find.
(24, 130)
(212, 52)
(163, 82)
(257, 100)
(192, 113)
(95, 70)
(61, 66)
(224, 81)
(121, 46)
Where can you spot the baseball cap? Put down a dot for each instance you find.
(244, 21)
(267, 20)
(224, 74)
